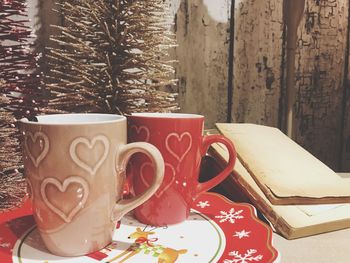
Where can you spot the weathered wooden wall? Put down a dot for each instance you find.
(320, 64)
(232, 67)
(257, 58)
(345, 146)
(202, 32)
(322, 122)
(345, 165)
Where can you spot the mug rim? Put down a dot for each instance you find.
(74, 119)
(164, 115)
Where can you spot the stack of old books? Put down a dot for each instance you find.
(296, 192)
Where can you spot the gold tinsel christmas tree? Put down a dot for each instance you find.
(111, 56)
(21, 95)
(12, 185)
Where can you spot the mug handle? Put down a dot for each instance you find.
(207, 141)
(124, 206)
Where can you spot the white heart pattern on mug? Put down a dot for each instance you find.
(91, 168)
(166, 182)
(178, 139)
(139, 131)
(62, 187)
(43, 139)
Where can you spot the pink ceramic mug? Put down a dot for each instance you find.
(75, 165)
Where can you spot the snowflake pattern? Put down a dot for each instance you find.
(4, 244)
(246, 258)
(230, 216)
(204, 204)
(242, 234)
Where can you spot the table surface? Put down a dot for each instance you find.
(332, 247)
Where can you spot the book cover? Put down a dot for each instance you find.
(284, 171)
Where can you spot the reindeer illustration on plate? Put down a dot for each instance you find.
(143, 244)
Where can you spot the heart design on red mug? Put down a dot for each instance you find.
(43, 146)
(167, 181)
(178, 140)
(91, 168)
(62, 188)
(142, 132)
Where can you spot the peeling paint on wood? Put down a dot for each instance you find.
(202, 32)
(257, 61)
(319, 77)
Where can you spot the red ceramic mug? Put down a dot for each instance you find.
(179, 138)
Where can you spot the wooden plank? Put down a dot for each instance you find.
(345, 158)
(202, 32)
(319, 77)
(345, 135)
(42, 15)
(257, 61)
(292, 13)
